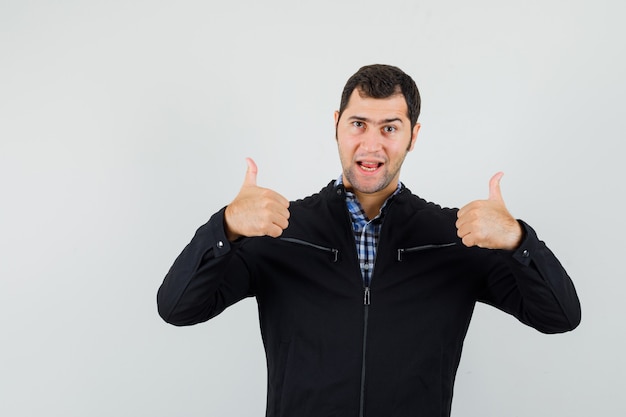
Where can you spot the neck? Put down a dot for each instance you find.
(372, 203)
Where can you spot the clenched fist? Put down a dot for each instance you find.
(488, 223)
(256, 211)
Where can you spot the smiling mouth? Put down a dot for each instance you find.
(369, 166)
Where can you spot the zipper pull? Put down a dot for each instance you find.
(366, 297)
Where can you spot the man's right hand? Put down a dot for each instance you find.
(256, 211)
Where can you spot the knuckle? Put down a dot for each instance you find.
(264, 204)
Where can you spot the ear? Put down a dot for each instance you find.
(336, 117)
(416, 129)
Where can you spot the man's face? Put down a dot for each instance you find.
(373, 137)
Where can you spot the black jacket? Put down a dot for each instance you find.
(335, 348)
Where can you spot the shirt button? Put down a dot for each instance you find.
(220, 244)
(525, 254)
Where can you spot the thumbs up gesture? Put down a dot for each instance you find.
(256, 211)
(488, 223)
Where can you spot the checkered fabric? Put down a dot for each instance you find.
(366, 232)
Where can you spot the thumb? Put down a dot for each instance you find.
(494, 187)
(250, 179)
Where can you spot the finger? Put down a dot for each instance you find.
(461, 212)
(468, 241)
(274, 199)
(251, 172)
(275, 231)
(284, 202)
(494, 187)
(466, 211)
(277, 214)
(285, 213)
(281, 222)
(274, 225)
(463, 230)
(460, 224)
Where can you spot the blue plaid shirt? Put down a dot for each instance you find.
(366, 232)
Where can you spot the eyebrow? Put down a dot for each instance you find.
(381, 122)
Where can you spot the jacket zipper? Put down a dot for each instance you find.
(366, 310)
(366, 305)
(401, 252)
(334, 253)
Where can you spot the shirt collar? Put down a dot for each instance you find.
(354, 207)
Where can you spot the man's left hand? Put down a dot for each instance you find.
(488, 223)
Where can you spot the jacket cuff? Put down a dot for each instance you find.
(529, 246)
(214, 235)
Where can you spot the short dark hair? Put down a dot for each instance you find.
(382, 81)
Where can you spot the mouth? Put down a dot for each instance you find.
(369, 166)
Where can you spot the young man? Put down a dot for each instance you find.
(366, 291)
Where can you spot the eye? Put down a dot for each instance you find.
(358, 124)
(389, 129)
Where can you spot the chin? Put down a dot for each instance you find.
(364, 183)
(367, 187)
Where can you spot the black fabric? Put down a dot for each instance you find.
(312, 308)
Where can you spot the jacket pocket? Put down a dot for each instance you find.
(407, 251)
(332, 253)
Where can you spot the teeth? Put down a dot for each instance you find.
(369, 167)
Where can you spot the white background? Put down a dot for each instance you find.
(124, 125)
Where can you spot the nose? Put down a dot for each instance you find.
(371, 141)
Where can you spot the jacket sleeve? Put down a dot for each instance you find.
(532, 285)
(207, 277)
